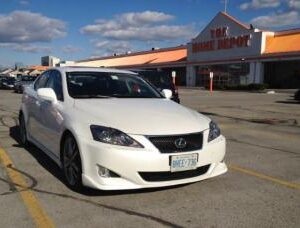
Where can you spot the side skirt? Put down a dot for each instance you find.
(49, 153)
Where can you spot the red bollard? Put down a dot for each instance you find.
(211, 76)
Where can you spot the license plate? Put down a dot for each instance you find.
(183, 162)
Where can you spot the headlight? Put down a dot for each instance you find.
(113, 136)
(214, 131)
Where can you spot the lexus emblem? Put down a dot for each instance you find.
(180, 143)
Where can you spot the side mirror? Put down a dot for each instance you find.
(167, 93)
(47, 94)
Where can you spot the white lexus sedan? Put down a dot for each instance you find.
(109, 129)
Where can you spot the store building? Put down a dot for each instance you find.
(235, 52)
(49, 61)
(166, 59)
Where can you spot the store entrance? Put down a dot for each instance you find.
(224, 75)
(283, 74)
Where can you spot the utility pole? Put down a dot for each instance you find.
(225, 3)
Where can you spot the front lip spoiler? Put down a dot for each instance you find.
(215, 169)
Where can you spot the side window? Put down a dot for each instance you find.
(55, 82)
(41, 81)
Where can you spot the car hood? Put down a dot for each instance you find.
(141, 116)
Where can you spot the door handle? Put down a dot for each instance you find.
(38, 103)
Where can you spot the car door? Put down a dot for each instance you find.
(34, 103)
(52, 114)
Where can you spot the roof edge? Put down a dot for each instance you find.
(287, 32)
(135, 53)
(235, 20)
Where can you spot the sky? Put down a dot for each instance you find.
(76, 29)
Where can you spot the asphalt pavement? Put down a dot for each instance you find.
(261, 188)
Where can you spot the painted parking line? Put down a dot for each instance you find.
(265, 177)
(36, 211)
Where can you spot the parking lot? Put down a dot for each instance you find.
(261, 188)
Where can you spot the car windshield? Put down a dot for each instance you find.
(108, 84)
(27, 78)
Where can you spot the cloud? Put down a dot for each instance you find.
(259, 4)
(24, 3)
(277, 19)
(26, 27)
(139, 27)
(155, 33)
(294, 4)
(26, 48)
(131, 31)
(146, 17)
(105, 47)
(69, 49)
(126, 20)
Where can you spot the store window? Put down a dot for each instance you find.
(225, 74)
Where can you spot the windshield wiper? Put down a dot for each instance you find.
(91, 96)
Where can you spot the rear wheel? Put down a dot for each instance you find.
(71, 163)
(23, 132)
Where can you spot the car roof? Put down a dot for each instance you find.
(91, 69)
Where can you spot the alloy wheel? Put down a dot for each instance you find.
(72, 163)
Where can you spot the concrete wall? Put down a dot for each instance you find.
(234, 30)
(254, 49)
(256, 74)
(190, 75)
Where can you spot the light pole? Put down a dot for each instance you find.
(225, 7)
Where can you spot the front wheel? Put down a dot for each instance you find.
(71, 163)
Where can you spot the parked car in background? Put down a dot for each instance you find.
(23, 81)
(1, 80)
(7, 83)
(110, 129)
(160, 80)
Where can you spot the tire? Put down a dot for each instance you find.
(23, 132)
(71, 163)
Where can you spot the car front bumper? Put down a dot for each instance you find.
(128, 163)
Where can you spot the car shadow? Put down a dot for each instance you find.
(39, 156)
(49, 165)
(290, 101)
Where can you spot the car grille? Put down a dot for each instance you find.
(166, 144)
(169, 176)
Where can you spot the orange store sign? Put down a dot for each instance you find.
(221, 40)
